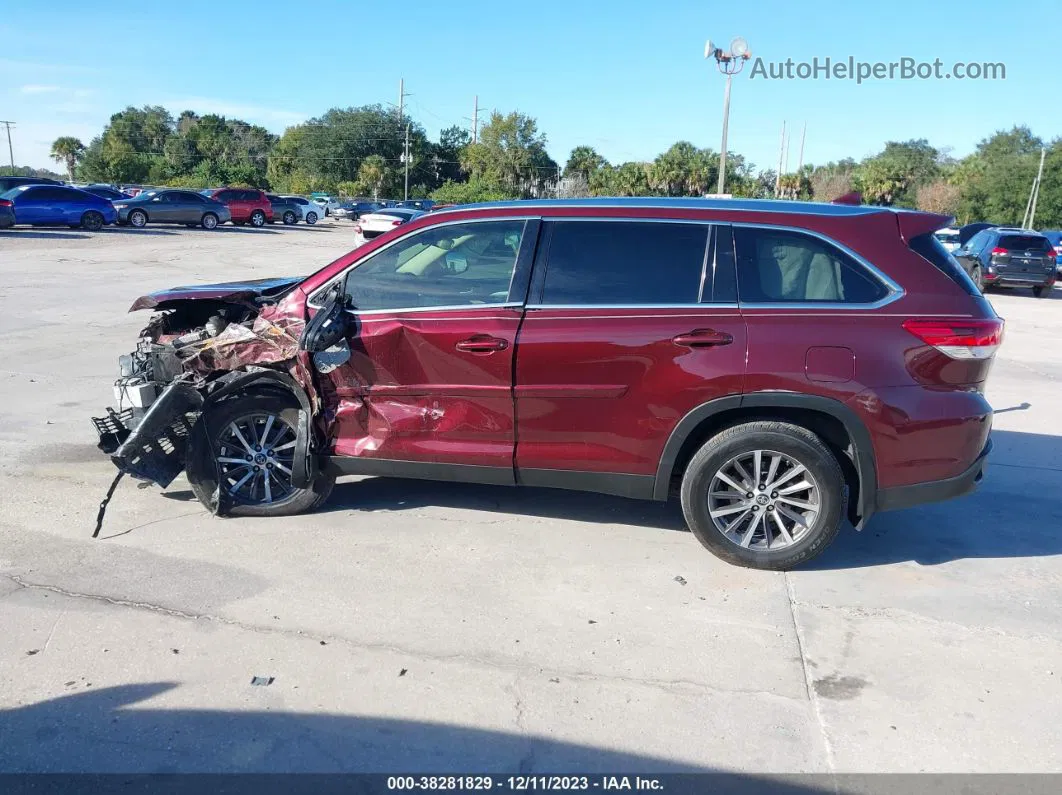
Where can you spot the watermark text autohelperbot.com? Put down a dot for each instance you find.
(861, 71)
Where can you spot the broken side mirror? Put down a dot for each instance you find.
(329, 325)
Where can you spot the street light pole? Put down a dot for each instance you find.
(729, 64)
(726, 123)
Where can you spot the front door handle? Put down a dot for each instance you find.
(482, 344)
(703, 338)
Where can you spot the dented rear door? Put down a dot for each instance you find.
(429, 377)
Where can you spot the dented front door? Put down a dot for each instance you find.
(429, 376)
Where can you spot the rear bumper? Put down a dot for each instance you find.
(1020, 279)
(899, 497)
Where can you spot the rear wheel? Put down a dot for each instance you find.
(289, 218)
(767, 495)
(210, 221)
(1040, 291)
(311, 218)
(92, 221)
(258, 219)
(252, 441)
(138, 219)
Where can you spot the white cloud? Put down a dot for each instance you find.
(34, 88)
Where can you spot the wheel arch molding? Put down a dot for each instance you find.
(709, 418)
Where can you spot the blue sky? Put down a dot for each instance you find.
(628, 78)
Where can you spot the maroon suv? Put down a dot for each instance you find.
(247, 205)
(782, 366)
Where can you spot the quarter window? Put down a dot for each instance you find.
(618, 263)
(455, 265)
(776, 266)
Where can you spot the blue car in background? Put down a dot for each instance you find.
(60, 205)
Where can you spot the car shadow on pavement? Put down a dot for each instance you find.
(123, 729)
(395, 494)
(128, 230)
(1016, 512)
(245, 230)
(44, 234)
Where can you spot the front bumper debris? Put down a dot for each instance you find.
(155, 449)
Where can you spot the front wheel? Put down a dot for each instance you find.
(311, 218)
(210, 221)
(258, 219)
(767, 495)
(978, 277)
(252, 444)
(138, 219)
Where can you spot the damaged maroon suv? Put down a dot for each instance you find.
(781, 366)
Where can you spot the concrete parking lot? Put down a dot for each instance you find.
(413, 626)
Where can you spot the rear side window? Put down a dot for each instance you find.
(780, 266)
(618, 263)
(931, 250)
(226, 196)
(1024, 243)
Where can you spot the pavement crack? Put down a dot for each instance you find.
(668, 685)
(809, 688)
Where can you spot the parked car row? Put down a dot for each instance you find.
(39, 202)
(373, 224)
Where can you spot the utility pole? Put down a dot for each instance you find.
(10, 149)
(401, 97)
(788, 140)
(475, 121)
(1030, 209)
(778, 176)
(405, 157)
(803, 132)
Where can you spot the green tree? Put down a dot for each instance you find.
(511, 153)
(68, 150)
(584, 161)
(373, 174)
(894, 175)
(476, 189)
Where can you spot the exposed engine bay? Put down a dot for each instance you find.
(203, 345)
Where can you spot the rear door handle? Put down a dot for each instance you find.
(482, 344)
(703, 338)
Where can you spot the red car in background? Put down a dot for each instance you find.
(247, 205)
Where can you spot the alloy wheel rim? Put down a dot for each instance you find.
(764, 500)
(210, 222)
(255, 454)
(137, 219)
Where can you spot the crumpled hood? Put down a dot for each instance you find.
(235, 292)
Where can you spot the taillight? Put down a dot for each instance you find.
(6, 203)
(959, 338)
(396, 223)
(1051, 254)
(999, 252)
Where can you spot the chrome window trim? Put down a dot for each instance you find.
(622, 307)
(312, 301)
(422, 309)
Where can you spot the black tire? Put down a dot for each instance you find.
(311, 218)
(218, 420)
(258, 219)
(289, 218)
(1040, 291)
(978, 277)
(138, 219)
(793, 441)
(92, 221)
(209, 221)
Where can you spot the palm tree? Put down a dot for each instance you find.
(69, 150)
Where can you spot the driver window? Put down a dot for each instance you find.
(455, 265)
